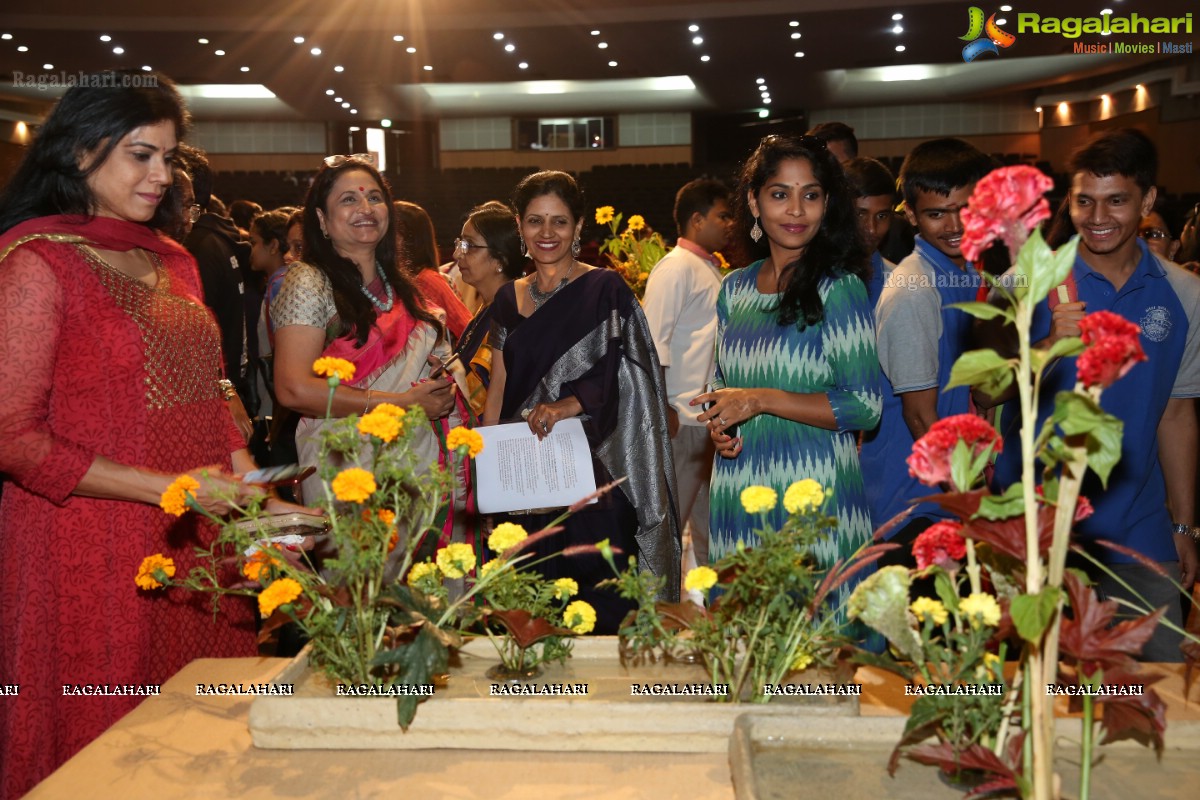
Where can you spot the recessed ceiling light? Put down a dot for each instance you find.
(602, 45)
(694, 28)
(298, 39)
(697, 40)
(397, 38)
(497, 36)
(612, 63)
(109, 38)
(245, 69)
(354, 128)
(1038, 109)
(47, 66)
(5, 36)
(763, 113)
(410, 49)
(345, 105)
(794, 23)
(316, 51)
(523, 65)
(22, 49)
(354, 111)
(760, 81)
(104, 38)
(897, 17)
(595, 33)
(704, 58)
(796, 35)
(799, 54)
(146, 68)
(508, 48)
(116, 50)
(385, 123)
(1106, 11)
(899, 48)
(330, 92)
(898, 29)
(767, 100)
(428, 68)
(339, 68)
(337, 100)
(219, 52)
(1009, 8)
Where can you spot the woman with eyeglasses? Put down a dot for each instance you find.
(419, 255)
(488, 255)
(570, 340)
(349, 299)
(796, 358)
(112, 390)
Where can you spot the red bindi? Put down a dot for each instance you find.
(362, 189)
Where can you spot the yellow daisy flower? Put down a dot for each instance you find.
(604, 215)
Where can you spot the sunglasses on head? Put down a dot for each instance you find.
(333, 162)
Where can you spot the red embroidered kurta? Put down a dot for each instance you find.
(95, 363)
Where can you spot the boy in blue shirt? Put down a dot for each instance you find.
(919, 335)
(1150, 501)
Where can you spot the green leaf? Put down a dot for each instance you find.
(1076, 415)
(1065, 348)
(1031, 613)
(946, 591)
(1009, 504)
(960, 466)
(1043, 267)
(985, 311)
(983, 368)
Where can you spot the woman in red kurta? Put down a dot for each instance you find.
(110, 366)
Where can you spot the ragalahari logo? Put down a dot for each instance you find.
(983, 37)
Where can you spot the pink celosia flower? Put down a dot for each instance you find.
(930, 459)
(1007, 204)
(939, 542)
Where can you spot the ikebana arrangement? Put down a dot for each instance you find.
(767, 615)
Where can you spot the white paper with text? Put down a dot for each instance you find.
(516, 471)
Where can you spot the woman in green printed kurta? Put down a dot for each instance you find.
(795, 350)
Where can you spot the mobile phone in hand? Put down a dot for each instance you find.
(283, 475)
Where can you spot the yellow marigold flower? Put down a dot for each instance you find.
(803, 495)
(488, 566)
(258, 564)
(455, 560)
(991, 663)
(980, 607)
(604, 215)
(279, 593)
(757, 499)
(420, 570)
(390, 409)
(145, 578)
(721, 262)
(464, 437)
(927, 608)
(353, 485)
(565, 587)
(700, 579)
(636, 222)
(801, 660)
(338, 368)
(174, 499)
(381, 425)
(579, 617)
(506, 535)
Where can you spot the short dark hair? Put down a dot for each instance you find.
(941, 166)
(243, 211)
(836, 249)
(836, 132)
(92, 117)
(1127, 152)
(272, 226)
(698, 196)
(202, 178)
(497, 224)
(546, 182)
(418, 239)
(869, 178)
(354, 309)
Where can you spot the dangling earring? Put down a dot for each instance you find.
(576, 247)
(325, 233)
(756, 232)
(524, 252)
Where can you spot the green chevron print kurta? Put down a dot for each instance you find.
(835, 357)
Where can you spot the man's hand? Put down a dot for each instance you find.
(1186, 547)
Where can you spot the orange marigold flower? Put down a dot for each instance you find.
(174, 499)
(339, 368)
(279, 593)
(380, 424)
(389, 408)
(464, 437)
(258, 565)
(152, 571)
(353, 485)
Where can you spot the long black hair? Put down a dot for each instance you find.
(836, 249)
(497, 224)
(418, 239)
(91, 119)
(353, 307)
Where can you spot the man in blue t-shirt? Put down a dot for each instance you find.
(919, 335)
(1150, 501)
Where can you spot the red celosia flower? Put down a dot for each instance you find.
(939, 542)
(1007, 203)
(1108, 359)
(930, 459)
(1099, 324)
(1083, 506)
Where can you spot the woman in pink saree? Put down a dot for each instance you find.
(349, 299)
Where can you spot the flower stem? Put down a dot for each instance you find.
(1086, 743)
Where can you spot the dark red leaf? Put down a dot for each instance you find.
(837, 575)
(1089, 635)
(974, 756)
(1134, 715)
(1008, 535)
(526, 630)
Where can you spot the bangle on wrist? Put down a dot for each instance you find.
(1182, 529)
(367, 405)
(226, 387)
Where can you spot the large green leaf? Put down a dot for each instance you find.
(1070, 346)
(985, 311)
(1032, 613)
(983, 368)
(1076, 414)
(1003, 506)
(1042, 267)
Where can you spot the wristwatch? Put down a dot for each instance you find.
(1180, 529)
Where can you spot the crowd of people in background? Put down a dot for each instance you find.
(158, 333)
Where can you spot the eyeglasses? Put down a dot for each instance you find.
(333, 162)
(193, 212)
(1154, 233)
(464, 246)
